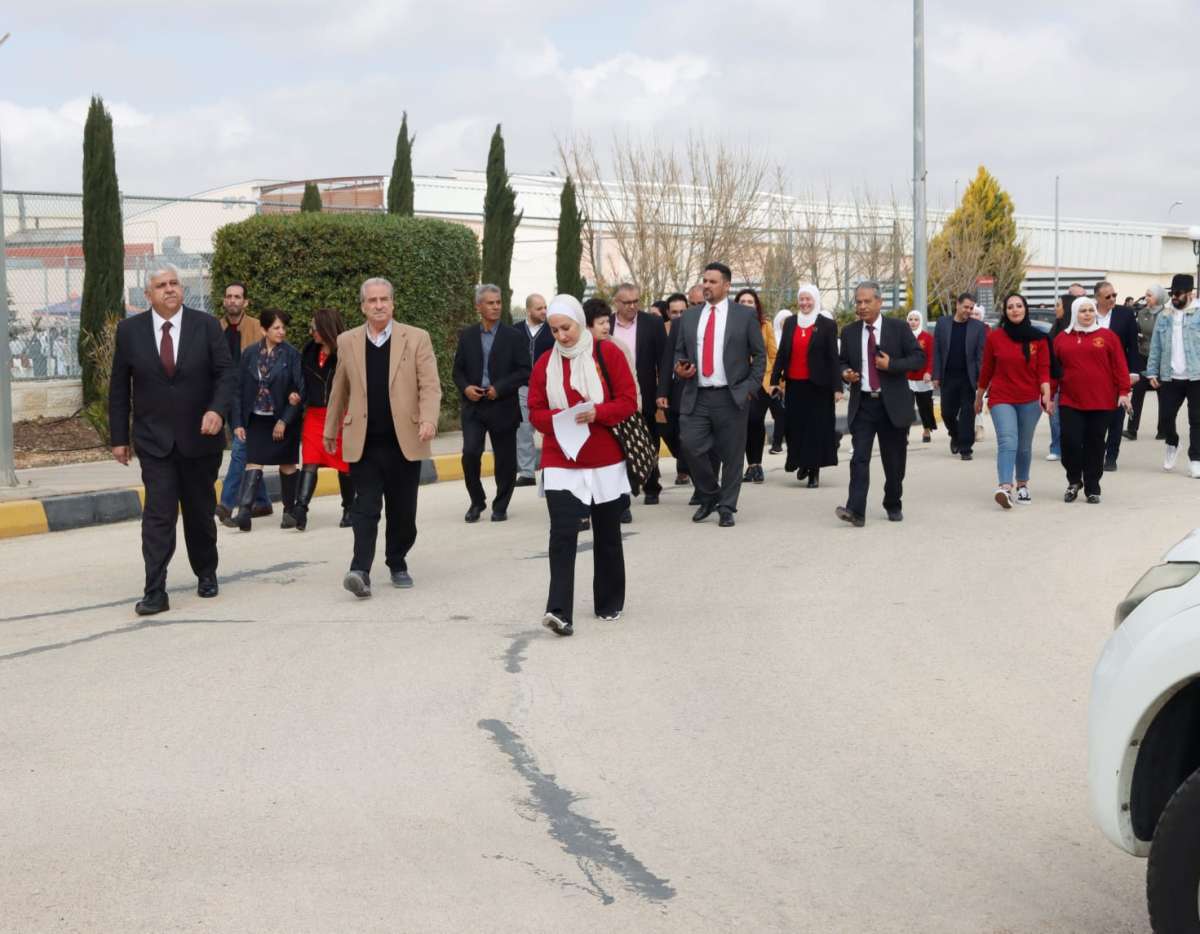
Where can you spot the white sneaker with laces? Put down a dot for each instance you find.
(1171, 456)
(1023, 496)
(1194, 468)
(1052, 456)
(1004, 498)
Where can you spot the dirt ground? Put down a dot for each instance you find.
(45, 442)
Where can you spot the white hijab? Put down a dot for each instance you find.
(920, 327)
(1075, 326)
(585, 378)
(781, 317)
(808, 319)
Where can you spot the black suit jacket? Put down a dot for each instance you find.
(508, 370)
(824, 368)
(167, 412)
(1124, 324)
(895, 339)
(285, 377)
(648, 357)
(977, 333)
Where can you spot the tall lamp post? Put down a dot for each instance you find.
(920, 257)
(8, 472)
(1194, 236)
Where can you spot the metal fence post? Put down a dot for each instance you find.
(8, 473)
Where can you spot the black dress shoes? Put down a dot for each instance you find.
(346, 522)
(650, 499)
(705, 510)
(402, 579)
(895, 515)
(473, 513)
(1129, 434)
(499, 516)
(223, 512)
(1110, 465)
(207, 586)
(696, 500)
(154, 602)
(967, 456)
(526, 481)
(953, 446)
(847, 516)
(626, 517)
(726, 521)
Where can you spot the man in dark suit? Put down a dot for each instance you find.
(1122, 321)
(876, 355)
(646, 337)
(957, 359)
(490, 365)
(720, 356)
(172, 369)
(535, 330)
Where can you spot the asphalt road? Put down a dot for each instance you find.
(797, 726)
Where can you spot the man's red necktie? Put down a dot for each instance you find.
(166, 350)
(710, 339)
(872, 370)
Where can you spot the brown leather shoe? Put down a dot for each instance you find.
(259, 512)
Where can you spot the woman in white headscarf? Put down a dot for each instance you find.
(921, 381)
(591, 481)
(808, 360)
(1092, 379)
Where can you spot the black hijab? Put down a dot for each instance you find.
(1023, 333)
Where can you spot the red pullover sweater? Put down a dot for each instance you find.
(1094, 372)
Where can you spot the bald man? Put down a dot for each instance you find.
(535, 331)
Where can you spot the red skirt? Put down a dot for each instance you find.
(314, 442)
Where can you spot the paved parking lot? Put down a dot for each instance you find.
(797, 726)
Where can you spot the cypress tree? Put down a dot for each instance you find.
(570, 245)
(311, 202)
(103, 243)
(500, 222)
(400, 187)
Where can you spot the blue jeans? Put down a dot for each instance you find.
(233, 478)
(1014, 426)
(1055, 431)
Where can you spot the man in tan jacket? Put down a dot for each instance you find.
(385, 401)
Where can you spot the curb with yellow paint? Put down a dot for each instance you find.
(81, 510)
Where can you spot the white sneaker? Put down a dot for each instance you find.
(1004, 498)
(1052, 456)
(1023, 496)
(1194, 467)
(1171, 456)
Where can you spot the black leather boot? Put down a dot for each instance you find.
(304, 495)
(346, 485)
(250, 481)
(287, 495)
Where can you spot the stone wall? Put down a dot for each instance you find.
(50, 398)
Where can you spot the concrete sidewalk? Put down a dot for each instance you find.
(72, 496)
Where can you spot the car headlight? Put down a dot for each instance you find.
(1159, 577)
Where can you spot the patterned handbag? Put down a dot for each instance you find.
(636, 443)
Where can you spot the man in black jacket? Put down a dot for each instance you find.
(1122, 321)
(172, 368)
(646, 337)
(876, 355)
(490, 365)
(958, 342)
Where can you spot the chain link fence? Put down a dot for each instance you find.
(44, 263)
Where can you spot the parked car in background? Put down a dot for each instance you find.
(1144, 735)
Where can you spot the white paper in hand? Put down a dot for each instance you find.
(570, 435)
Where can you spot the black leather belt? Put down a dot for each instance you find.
(711, 388)
(872, 395)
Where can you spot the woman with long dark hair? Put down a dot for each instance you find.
(319, 361)
(270, 375)
(808, 361)
(1016, 377)
(756, 432)
(1094, 379)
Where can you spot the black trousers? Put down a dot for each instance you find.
(653, 482)
(1139, 400)
(1171, 396)
(716, 426)
(670, 434)
(780, 419)
(958, 410)
(871, 421)
(756, 426)
(480, 420)
(608, 572)
(1083, 433)
(925, 410)
(176, 484)
(384, 480)
(1116, 424)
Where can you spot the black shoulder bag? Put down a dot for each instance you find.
(639, 448)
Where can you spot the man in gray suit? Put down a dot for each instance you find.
(957, 359)
(720, 357)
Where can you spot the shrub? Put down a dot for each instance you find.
(100, 350)
(302, 262)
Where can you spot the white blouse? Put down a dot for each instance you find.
(589, 484)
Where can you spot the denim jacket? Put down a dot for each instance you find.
(1159, 365)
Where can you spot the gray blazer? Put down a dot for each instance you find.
(977, 333)
(745, 354)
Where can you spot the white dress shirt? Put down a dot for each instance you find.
(1178, 355)
(718, 374)
(159, 321)
(867, 360)
(1103, 320)
(382, 337)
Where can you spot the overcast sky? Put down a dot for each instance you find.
(205, 94)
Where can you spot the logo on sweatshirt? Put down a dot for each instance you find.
(1097, 341)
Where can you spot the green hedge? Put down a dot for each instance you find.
(302, 262)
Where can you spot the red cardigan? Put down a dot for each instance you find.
(1007, 376)
(1094, 372)
(601, 449)
(925, 339)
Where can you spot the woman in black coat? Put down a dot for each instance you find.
(808, 360)
(265, 417)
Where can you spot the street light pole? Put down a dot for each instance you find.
(1194, 236)
(920, 258)
(8, 473)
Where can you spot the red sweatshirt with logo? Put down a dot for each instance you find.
(1094, 371)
